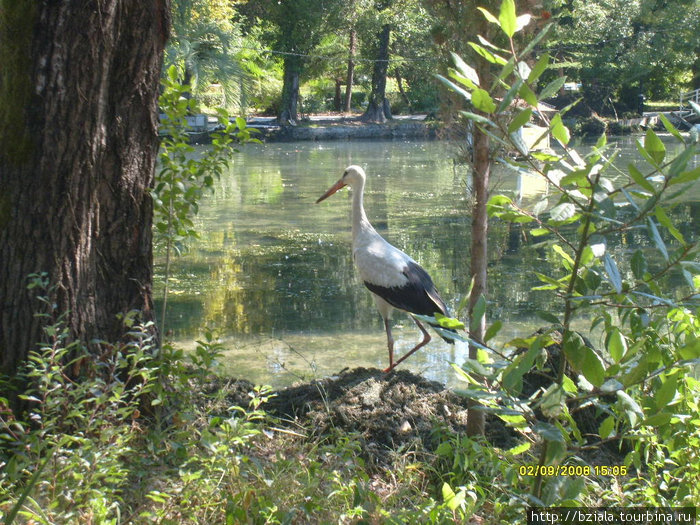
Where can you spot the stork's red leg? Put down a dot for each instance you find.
(425, 341)
(390, 344)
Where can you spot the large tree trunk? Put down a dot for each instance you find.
(290, 91)
(77, 159)
(378, 105)
(351, 70)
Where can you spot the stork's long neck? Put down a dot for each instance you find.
(360, 222)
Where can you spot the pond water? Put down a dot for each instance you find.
(273, 271)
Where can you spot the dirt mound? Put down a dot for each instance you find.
(389, 411)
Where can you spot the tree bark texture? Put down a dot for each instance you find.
(352, 50)
(77, 160)
(376, 109)
(290, 91)
(481, 170)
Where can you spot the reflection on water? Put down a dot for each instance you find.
(273, 271)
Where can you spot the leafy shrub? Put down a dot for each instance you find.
(639, 379)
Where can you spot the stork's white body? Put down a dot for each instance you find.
(395, 279)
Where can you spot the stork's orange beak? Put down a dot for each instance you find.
(332, 190)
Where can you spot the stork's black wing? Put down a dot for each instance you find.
(417, 296)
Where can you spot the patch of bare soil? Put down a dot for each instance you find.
(399, 410)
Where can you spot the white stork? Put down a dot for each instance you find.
(395, 280)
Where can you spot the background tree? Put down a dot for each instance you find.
(295, 28)
(377, 46)
(621, 49)
(413, 65)
(78, 145)
(205, 46)
(346, 21)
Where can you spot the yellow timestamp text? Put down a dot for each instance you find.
(572, 470)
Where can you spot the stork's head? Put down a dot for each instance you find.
(353, 176)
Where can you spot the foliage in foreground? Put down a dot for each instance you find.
(626, 277)
(134, 443)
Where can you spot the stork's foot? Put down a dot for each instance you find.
(389, 368)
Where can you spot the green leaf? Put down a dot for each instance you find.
(613, 272)
(553, 87)
(638, 264)
(539, 68)
(656, 237)
(462, 375)
(492, 330)
(691, 349)
(552, 403)
(488, 55)
(665, 394)
(670, 127)
(465, 69)
(521, 365)
(658, 420)
(449, 322)
(510, 95)
(654, 147)
(528, 95)
(490, 45)
(617, 345)
(519, 449)
(680, 162)
(548, 316)
(549, 280)
(483, 101)
(507, 17)
(507, 69)
(569, 386)
(606, 427)
(487, 14)
(519, 120)
(584, 359)
(688, 176)
(632, 409)
(452, 500)
(549, 432)
(593, 368)
(665, 221)
(639, 178)
(454, 87)
(477, 118)
(573, 350)
(559, 130)
(477, 313)
(565, 256)
(532, 42)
